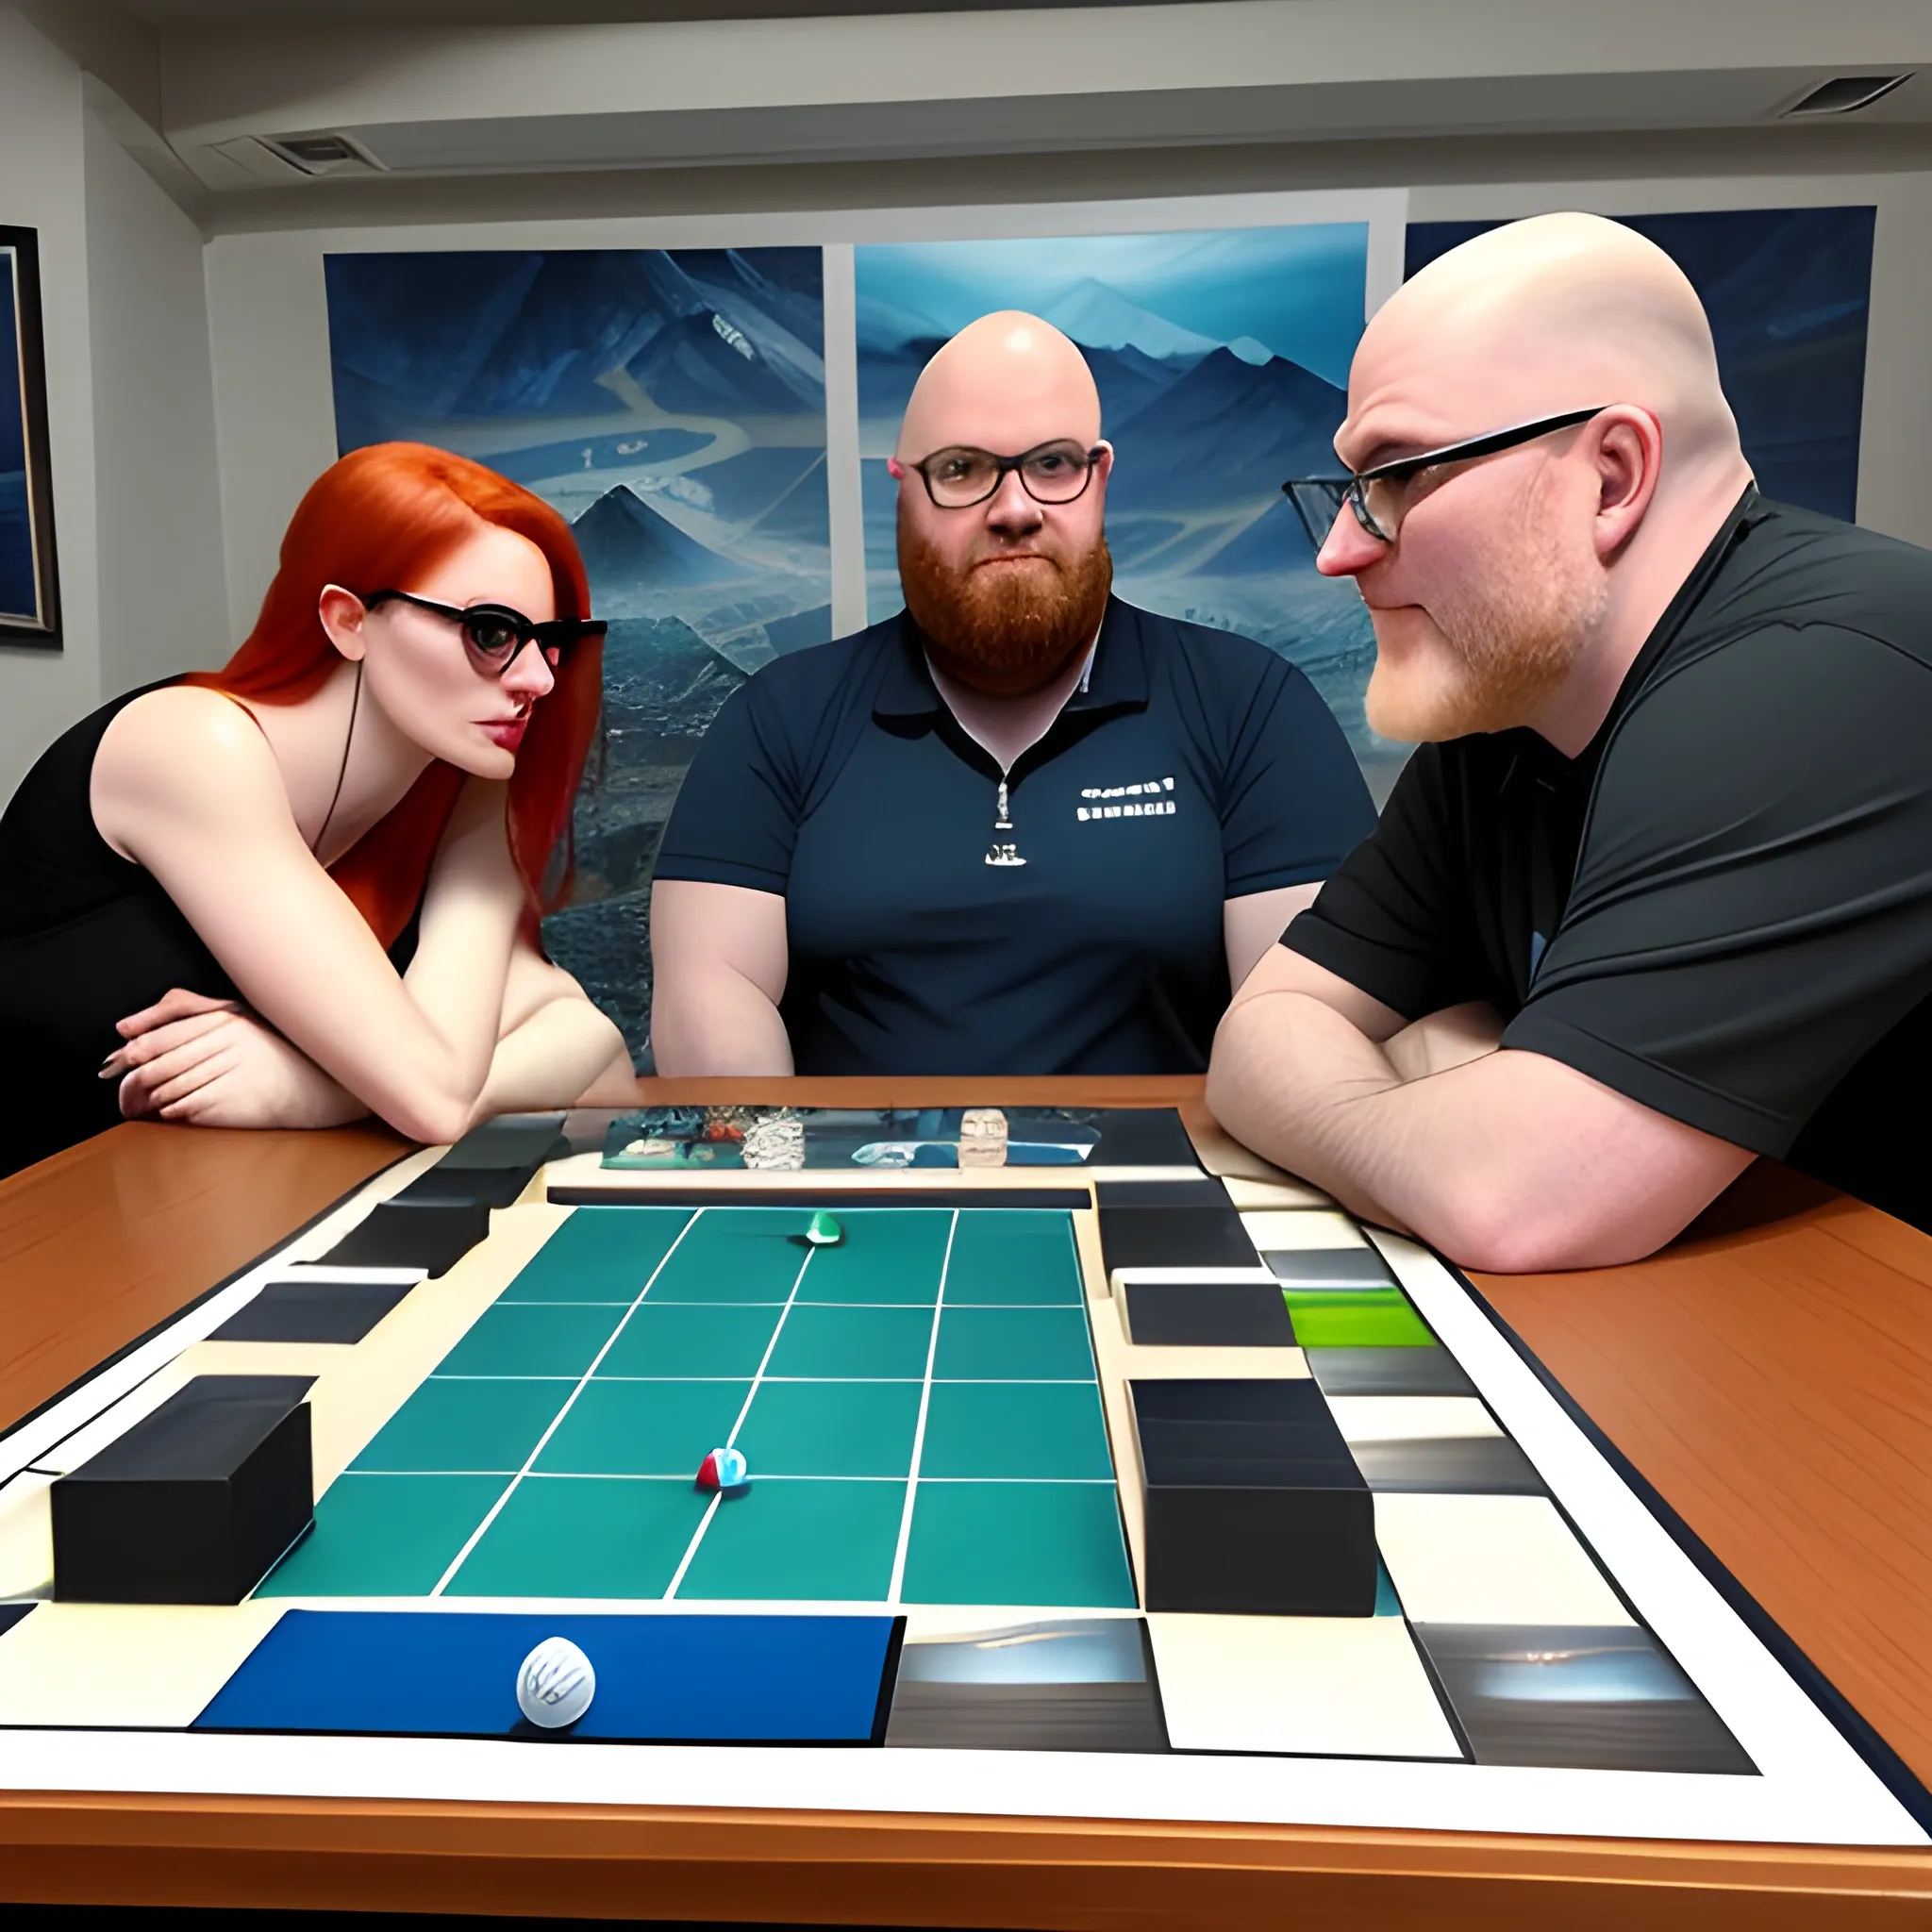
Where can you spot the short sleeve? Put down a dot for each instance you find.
(1294, 803)
(1752, 909)
(1393, 920)
(737, 815)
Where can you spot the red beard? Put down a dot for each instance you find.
(1004, 629)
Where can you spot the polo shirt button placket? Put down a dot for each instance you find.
(1003, 852)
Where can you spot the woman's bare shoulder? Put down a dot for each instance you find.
(183, 749)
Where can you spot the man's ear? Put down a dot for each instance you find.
(342, 613)
(1103, 461)
(895, 468)
(1629, 448)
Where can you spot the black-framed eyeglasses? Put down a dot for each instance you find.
(1376, 498)
(496, 633)
(959, 475)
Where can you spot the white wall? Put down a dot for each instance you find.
(42, 187)
(163, 605)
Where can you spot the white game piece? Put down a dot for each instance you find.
(556, 1684)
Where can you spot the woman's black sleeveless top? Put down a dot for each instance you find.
(86, 938)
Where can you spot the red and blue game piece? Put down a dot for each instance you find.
(724, 1470)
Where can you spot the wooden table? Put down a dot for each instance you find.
(1771, 1375)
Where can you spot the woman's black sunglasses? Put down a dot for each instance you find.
(496, 633)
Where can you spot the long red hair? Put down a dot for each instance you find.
(378, 520)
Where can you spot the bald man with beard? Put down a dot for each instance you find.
(1022, 828)
(1654, 895)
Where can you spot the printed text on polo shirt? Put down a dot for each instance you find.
(1141, 801)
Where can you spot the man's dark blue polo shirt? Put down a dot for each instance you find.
(1082, 937)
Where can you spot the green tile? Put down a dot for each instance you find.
(831, 1429)
(531, 1341)
(466, 1425)
(676, 1339)
(1013, 1344)
(642, 1428)
(1013, 1255)
(802, 1542)
(834, 1342)
(384, 1534)
(736, 1255)
(1054, 1543)
(1015, 1430)
(584, 1536)
(599, 1255)
(889, 1254)
(1380, 1318)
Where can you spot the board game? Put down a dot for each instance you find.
(954, 1460)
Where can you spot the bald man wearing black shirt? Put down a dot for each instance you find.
(1655, 897)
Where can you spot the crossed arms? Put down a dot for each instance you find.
(1505, 1160)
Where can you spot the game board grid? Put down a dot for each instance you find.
(881, 1420)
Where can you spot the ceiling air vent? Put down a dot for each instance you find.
(322, 153)
(1847, 93)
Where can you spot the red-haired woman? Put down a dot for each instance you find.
(305, 887)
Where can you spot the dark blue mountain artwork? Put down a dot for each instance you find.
(672, 406)
(19, 589)
(1788, 293)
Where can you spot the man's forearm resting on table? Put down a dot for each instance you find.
(1510, 1160)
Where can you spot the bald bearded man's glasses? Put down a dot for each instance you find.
(1379, 496)
(959, 477)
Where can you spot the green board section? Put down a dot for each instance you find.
(926, 1387)
(1376, 1317)
(384, 1534)
(600, 1254)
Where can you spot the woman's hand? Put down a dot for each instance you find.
(211, 1063)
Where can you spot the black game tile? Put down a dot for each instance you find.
(1431, 1370)
(1174, 1193)
(1452, 1466)
(1253, 1503)
(193, 1504)
(11, 1613)
(433, 1237)
(466, 1187)
(309, 1310)
(515, 1140)
(1582, 1698)
(1207, 1314)
(1355, 1268)
(1174, 1238)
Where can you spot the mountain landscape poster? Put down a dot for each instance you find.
(672, 405)
(1221, 358)
(29, 600)
(1789, 291)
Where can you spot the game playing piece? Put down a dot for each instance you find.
(723, 1469)
(824, 1231)
(194, 1503)
(556, 1684)
(1252, 1502)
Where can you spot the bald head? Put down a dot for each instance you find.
(1516, 588)
(1005, 383)
(1559, 312)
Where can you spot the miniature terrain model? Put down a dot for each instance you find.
(905, 1455)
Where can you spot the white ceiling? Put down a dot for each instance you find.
(522, 87)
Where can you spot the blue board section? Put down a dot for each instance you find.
(664, 1679)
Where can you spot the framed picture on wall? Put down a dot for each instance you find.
(30, 584)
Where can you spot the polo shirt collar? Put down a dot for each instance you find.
(1117, 681)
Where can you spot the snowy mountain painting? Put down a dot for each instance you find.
(672, 405)
(1221, 358)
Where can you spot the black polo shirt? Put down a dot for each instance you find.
(1084, 936)
(1722, 906)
